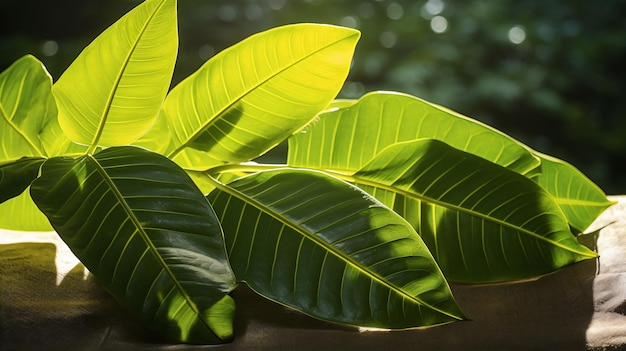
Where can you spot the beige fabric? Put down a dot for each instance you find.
(48, 303)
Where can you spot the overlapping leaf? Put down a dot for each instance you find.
(113, 91)
(255, 94)
(140, 225)
(349, 136)
(16, 176)
(353, 133)
(322, 246)
(25, 106)
(581, 200)
(21, 213)
(481, 221)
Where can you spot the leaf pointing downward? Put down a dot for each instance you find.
(140, 225)
(317, 244)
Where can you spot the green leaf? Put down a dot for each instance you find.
(21, 213)
(348, 137)
(253, 95)
(56, 143)
(25, 105)
(322, 246)
(140, 225)
(482, 222)
(112, 93)
(16, 176)
(580, 199)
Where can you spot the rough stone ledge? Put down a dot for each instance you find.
(46, 301)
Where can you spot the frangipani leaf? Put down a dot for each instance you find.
(482, 222)
(322, 246)
(141, 226)
(580, 199)
(25, 105)
(349, 136)
(251, 96)
(113, 91)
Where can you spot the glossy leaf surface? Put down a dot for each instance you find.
(482, 222)
(351, 135)
(322, 246)
(111, 94)
(140, 225)
(251, 96)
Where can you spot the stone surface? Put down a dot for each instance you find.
(47, 302)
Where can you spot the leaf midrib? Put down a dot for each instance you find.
(118, 79)
(228, 106)
(355, 180)
(328, 248)
(140, 229)
(13, 126)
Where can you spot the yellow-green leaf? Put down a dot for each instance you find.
(112, 92)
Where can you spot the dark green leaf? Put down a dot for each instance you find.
(482, 222)
(16, 176)
(141, 226)
(324, 247)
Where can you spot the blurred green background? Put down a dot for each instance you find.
(550, 73)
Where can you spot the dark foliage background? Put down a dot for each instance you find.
(548, 73)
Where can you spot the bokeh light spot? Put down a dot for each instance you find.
(227, 13)
(388, 39)
(434, 7)
(206, 52)
(517, 34)
(349, 21)
(50, 48)
(395, 11)
(439, 24)
(277, 4)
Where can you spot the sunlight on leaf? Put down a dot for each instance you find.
(322, 246)
(111, 94)
(482, 222)
(251, 96)
(25, 105)
(152, 239)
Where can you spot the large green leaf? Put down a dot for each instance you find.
(112, 92)
(140, 225)
(322, 246)
(253, 95)
(347, 137)
(25, 105)
(482, 222)
(581, 200)
(21, 213)
(352, 133)
(16, 176)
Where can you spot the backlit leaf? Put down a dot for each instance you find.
(251, 96)
(25, 105)
(111, 94)
(352, 134)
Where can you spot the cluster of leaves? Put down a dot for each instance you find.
(154, 191)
